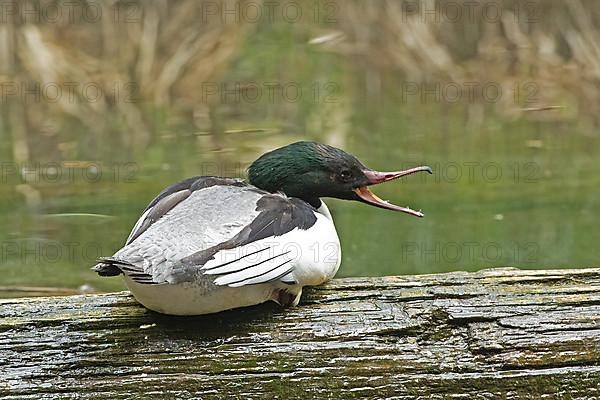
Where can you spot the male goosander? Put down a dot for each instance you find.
(208, 244)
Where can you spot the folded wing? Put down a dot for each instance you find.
(214, 232)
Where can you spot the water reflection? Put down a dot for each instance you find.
(495, 202)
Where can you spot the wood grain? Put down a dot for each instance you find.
(502, 333)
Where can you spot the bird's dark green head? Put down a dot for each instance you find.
(310, 170)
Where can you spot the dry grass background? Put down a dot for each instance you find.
(554, 44)
(155, 57)
(170, 51)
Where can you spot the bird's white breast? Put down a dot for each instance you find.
(318, 251)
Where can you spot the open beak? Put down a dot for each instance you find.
(375, 178)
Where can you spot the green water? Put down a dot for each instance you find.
(519, 192)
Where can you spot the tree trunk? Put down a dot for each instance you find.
(502, 333)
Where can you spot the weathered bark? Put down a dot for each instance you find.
(501, 333)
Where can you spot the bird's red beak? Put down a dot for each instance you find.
(375, 178)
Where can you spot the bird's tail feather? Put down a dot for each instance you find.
(108, 266)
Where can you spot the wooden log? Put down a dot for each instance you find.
(502, 333)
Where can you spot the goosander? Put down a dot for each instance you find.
(209, 244)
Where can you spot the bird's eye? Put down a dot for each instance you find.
(346, 174)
